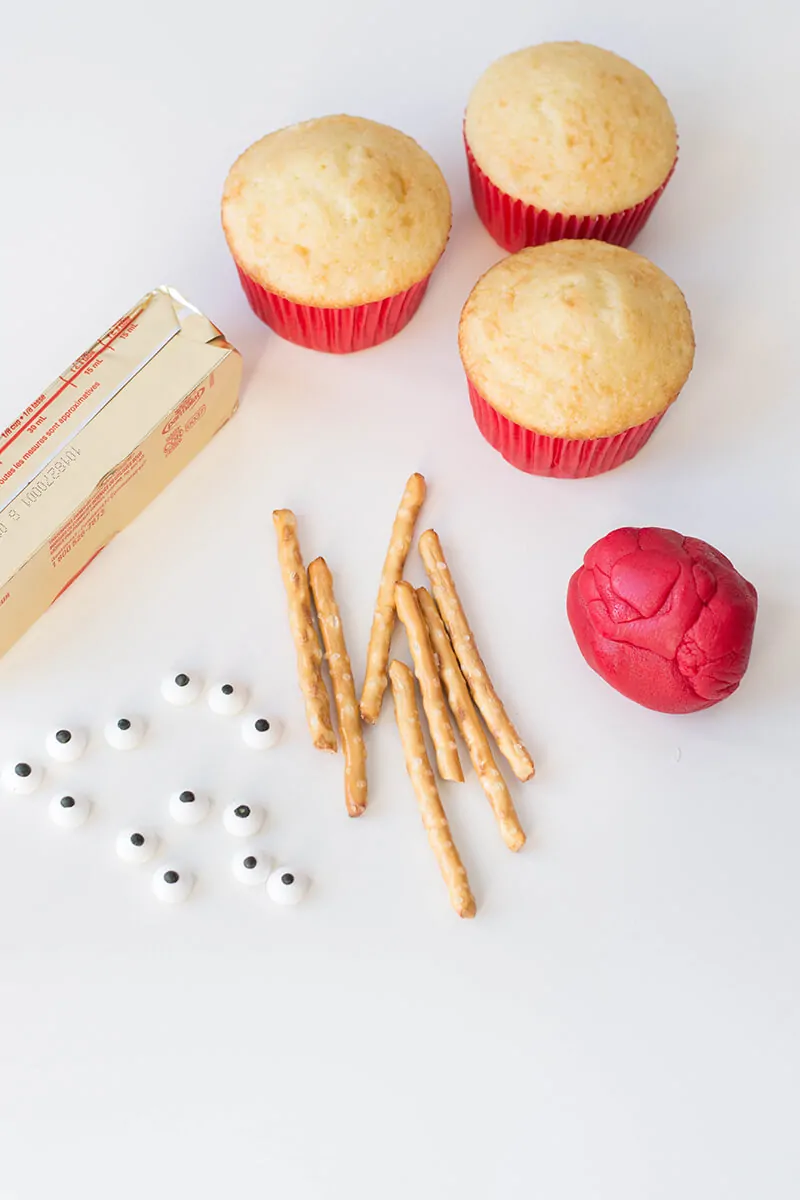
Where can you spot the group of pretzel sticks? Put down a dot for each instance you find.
(300, 587)
(449, 670)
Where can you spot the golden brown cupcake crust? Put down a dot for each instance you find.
(571, 128)
(336, 212)
(577, 339)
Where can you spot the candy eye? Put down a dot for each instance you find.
(181, 689)
(136, 845)
(22, 777)
(189, 808)
(227, 699)
(69, 811)
(251, 868)
(124, 733)
(243, 820)
(172, 885)
(287, 886)
(66, 745)
(260, 733)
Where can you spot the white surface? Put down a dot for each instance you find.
(620, 1022)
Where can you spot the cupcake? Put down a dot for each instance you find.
(335, 226)
(565, 140)
(573, 353)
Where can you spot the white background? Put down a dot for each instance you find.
(621, 1020)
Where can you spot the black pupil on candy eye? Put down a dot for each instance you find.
(63, 736)
(124, 724)
(249, 862)
(171, 877)
(187, 797)
(23, 770)
(287, 879)
(261, 725)
(227, 689)
(137, 839)
(181, 680)
(242, 811)
(67, 802)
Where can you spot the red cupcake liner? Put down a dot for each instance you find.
(334, 330)
(559, 458)
(514, 224)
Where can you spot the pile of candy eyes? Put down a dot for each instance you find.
(171, 883)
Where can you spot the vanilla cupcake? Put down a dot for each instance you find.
(335, 226)
(573, 353)
(566, 140)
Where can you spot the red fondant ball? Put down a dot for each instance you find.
(666, 620)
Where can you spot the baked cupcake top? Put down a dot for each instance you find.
(577, 339)
(571, 128)
(336, 212)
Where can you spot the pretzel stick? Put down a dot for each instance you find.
(344, 692)
(433, 701)
(468, 721)
(488, 702)
(430, 806)
(306, 642)
(380, 638)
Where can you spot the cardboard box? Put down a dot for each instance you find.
(98, 445)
